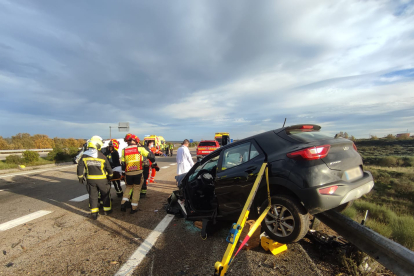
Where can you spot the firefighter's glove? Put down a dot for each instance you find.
(80, 180)
(154, 165)
(109, 177)
(157, 169)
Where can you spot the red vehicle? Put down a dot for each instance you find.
(206, 147)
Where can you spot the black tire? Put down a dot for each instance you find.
(344, 206)
(292, 223)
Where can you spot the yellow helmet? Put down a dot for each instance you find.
(95, 142)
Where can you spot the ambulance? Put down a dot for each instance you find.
(223, 138)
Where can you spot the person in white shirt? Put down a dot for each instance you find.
(184, 159)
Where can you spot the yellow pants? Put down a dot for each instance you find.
(134, 183)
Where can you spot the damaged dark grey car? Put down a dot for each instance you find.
(309, 172)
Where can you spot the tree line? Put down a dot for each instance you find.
(38, 141)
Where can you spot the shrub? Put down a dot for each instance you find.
(62, 154)
(30, 156)
(390, 137)
(14, 159)
(388, 161)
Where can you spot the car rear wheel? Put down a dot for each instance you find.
(287, 220)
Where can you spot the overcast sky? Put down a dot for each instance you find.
(188, 69)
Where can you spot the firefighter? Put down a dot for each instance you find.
(145, 173)
(167, 149)
(171, 149)
(113, 157)
(132, 162)
(98, 171)
(153, 168)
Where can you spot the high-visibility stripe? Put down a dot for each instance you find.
(96, 177)
(125, 199)
(143, 191)
(107, 208)
(94, 210)
(134, 204)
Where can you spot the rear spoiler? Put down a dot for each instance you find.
(303, 127)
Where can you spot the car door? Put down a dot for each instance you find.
(237, 171)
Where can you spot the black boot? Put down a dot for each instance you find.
(123, 207)
(142, 195)
(133, 211)
(95, 216)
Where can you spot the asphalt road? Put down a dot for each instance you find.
(67, 242)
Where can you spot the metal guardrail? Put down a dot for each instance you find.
(22, 150)
(392, 255)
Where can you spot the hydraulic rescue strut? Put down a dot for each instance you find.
(234, 235)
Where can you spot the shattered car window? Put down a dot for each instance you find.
(209, 165)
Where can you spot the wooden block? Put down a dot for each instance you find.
(198, 224)
(254, 240)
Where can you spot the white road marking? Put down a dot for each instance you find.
(36, 171)
(86, 196)
(16, 222)
(165, 167)
(139, 254)
(80, 198)
(173, 164)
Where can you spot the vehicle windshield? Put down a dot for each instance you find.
(209, 165)
(307, 135)
(219, 139)
(207, 144)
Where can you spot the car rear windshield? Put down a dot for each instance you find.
(207, 144)
(307, 135)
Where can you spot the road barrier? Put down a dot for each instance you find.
(22, 150)
(392, 255)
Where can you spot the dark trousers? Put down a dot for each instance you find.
(94, 187)
(145, 174)
(167, 151)
(171, 152)
(117, 186)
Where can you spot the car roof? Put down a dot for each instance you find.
(208, 141)
(269, 133)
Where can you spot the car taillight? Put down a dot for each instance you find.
(328, 190)
(355, 148)
(306, 127)
(312, 153)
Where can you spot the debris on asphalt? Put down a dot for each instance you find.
(114, 262)
(23, 247)
(16, 244)
(9, 264)
(4, 252)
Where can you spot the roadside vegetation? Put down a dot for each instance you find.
(63, 150)
(391, 203)
(37, 141)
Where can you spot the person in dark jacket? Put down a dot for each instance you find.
(113, 157)
(98, 171)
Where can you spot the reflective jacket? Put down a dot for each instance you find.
(133, 158)
(95, 165)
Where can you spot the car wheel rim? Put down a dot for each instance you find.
(280, 220)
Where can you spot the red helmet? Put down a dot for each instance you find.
(114, 143)
(130, 137)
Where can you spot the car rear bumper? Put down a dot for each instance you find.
(347, 191)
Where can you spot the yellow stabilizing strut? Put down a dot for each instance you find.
(234, 235)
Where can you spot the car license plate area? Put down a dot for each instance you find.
(353, 174)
